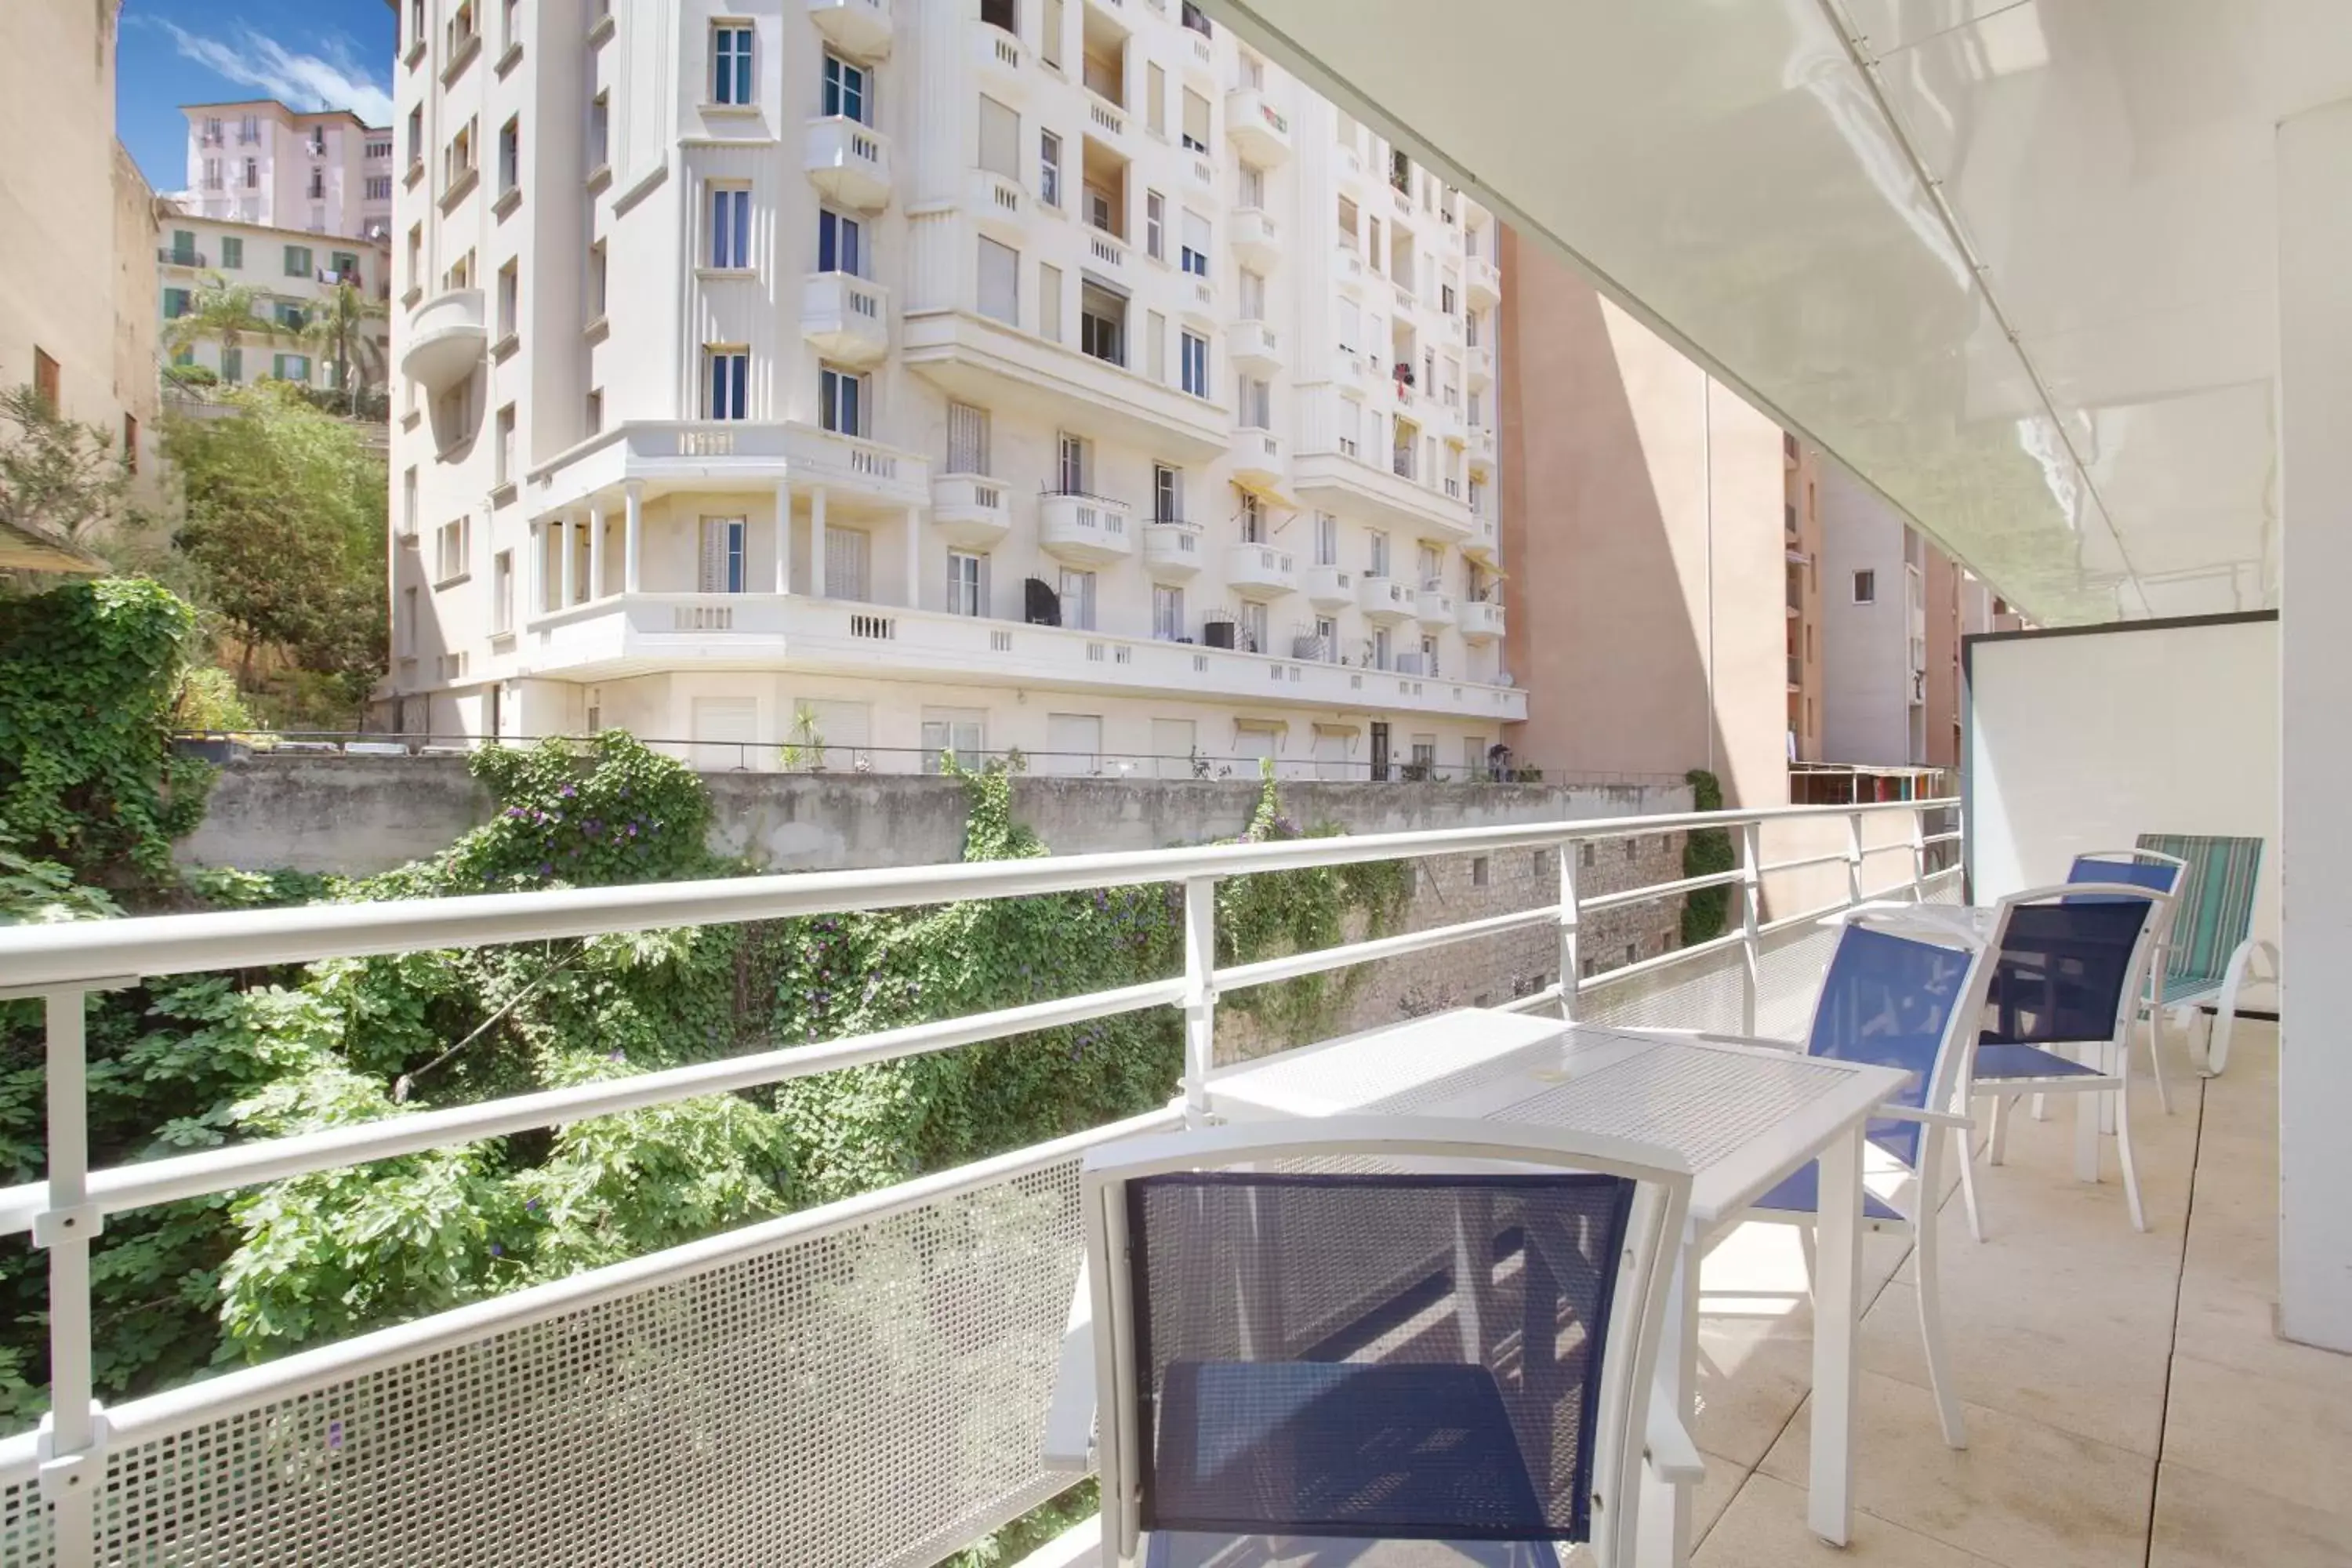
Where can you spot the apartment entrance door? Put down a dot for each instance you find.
(1380, 752)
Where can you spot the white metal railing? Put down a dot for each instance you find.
(256, 1454)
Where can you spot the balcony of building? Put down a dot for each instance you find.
(858, 27)
(1481, 282)
(849, 162)
(1256, 237)
(655, 458)
(1087, 530)
(971, 511)
(1482, 621)
(1103, 73)
(1254, 345)
(1172, 549)
(1257, 459)
(446, 337)
(1258, 130)
(1329, 587)
(1479, 365)
(998, 51)
(1260, 571)
(1433, 606)
(1386, 600)
(845, 318)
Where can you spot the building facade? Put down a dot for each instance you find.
(292, 272)
(77, 235)
(261, 162)
(898, 378)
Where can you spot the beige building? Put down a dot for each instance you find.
(292, 272)
(78, 267)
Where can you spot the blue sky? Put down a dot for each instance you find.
(312, 54)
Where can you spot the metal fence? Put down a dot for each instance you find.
(860, 1383)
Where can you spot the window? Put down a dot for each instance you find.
(1865, 587)
(1196, 122)
(457, 158)
(1253, 292)
(1252, 518)
(726, 372)
(1049, 168)
(841, 400)
(1326, 539)
(1155, 347)
(848, 562)
(1155, 99)
(730, 63)
(408, 504)
(298, 261)
(289, 317)
(1049, 302)
(1000, 139)
(379, 187)
(1195, 20)
(1195, 358)
(1074, 463)
(1256, 410)
(317, 189)
(1445, 297)
(232, 254)
(729, 247)
(967, 584)
(212, 174)
(968, 439)
(1253, 635)
(1167, 613)
(1099, 210)
(958, 731)
(1077, 599)
(1253, 186)
(1003, 14)
(723, 565)
(1196, 244)
(510, 299)
(1382, 657)
(600, 128)
(450, 549)
(1000, 282)
(176, 303)
(508, 10)
(596, 281)
(1155, 226)
(416, 257)
(292, 367)
(1049, 45)
(1102, 322)
(593, 411)
(502, 589)
(1379, 566)
(231, 365)
(1167, 493)
(415, 142)
(504, 473)
(845, 92)
(840, 244)
(509, 156)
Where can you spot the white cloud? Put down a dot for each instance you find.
(331, 78)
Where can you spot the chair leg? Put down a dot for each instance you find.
(2225, 1016)
(2156, 1055)
(2088, 1113)
(1997, 1140)
(2122, 1093)
(1968, 1181)
(1931, 1315)
(2040, 1108)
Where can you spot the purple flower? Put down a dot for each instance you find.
(496, 1251)
(547, 867)
(613, 1057)
(530, 1205)
(334, 1435)
(567, 792)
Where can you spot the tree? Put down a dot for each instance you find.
(222, 313)
(56, 477)
(286, 511)
(337, 329)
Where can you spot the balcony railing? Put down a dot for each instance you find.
(742, 1397)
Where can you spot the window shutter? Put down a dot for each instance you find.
(1196, 231)
(1000, 282)
(1155, 98)
(1000, 139)
(1196, 118)
(846, 553)
(967, 439)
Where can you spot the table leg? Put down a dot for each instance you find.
(1838, 1248)
(1665, 1523)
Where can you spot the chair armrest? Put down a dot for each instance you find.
(1932, 1118)
(1667, 1444)
(1070, 1415)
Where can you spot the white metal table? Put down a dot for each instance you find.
(1742, 1117)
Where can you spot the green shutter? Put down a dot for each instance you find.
(231, 365)
(346, 262)
(278, 366)
(298, 261)
(176, 303)
(233, 254)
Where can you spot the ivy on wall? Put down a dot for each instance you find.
(1706, 852)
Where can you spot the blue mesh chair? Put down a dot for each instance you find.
(1912, 1003)
(2068, 964)
(1454, 1345)
(2158, 873)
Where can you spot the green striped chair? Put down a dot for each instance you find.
(2209, 950)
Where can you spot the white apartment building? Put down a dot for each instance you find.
(261, 162)
(292, 272)
(1874, 629)
(931, 375)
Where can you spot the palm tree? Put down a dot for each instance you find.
(337, 326)
(221, 311)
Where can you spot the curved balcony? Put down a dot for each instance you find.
(1433, 608)
(1254, 345)
(854, 26)
(845, 318)
(1478, 365)
(997, 203)
(971, 510)
(1349, 261)
(1481, 281)
(1384, 599)
(849, 161)
(1260, 131)
(1257, 459)
(1482, 621)
(1483, 541)
(1172, 549)
(446, 338)
(1256, 237)
(1260, 571)
(1088, 530)
(1480, 445)
(1000, 56)
(1330, 587)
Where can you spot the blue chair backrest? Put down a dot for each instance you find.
(2155, 875)
(1891, 1000)
(1324, 1355)
(2066, 969)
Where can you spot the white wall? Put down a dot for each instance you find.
(2085, 741)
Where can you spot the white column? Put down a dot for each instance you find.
(2315, 251)
(914, 557)
(816, 543)
(633, 535)
(534, 573)
(784, 537)
(597, 550)
(564, 564)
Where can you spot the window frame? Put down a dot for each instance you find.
(733, 54)
(727, 227)
(840, 95)
(716, 360)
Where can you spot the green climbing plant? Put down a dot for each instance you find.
(1706, 851)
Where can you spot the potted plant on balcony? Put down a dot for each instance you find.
(805, 747)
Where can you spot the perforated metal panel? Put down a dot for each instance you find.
(1789, 969)
(1704, 993)
(869, 1396)
(1701, 1104)
(25, 1526)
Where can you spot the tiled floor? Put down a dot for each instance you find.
(2128, 1405)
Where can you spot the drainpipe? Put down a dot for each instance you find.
(1707, 474)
